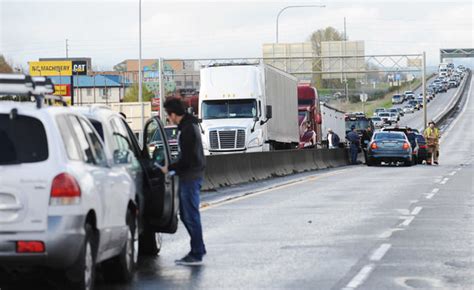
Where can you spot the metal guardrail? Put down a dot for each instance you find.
(452, 106)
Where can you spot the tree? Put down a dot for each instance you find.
(325, 34)
(4, 66)
(132, 94)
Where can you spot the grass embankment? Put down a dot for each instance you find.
(370, 106)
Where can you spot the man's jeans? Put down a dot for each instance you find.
(189, 191)
(354, 150)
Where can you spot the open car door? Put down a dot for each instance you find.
(160, 192)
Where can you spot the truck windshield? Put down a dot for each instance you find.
(229, 109)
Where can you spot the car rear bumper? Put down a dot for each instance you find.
(63, 242)
(389, 156)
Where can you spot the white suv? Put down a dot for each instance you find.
(64, 203)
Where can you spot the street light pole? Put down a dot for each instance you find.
(292, 6)
(140, 92)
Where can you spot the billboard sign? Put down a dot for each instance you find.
(79, 67)
(62, 90)
(50, 68)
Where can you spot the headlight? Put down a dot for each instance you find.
(255, 142)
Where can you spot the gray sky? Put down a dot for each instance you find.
(107, 31)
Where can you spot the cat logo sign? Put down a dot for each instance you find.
(79, 68)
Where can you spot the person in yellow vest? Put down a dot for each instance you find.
(432, 142)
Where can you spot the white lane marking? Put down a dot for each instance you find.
(437, 180)
(407, 222)
(378, 254)
(458, 169)
(414, 201)
(444, 180)
(452, 173)
(387, 234)
(430, 196)
(416, 210)
(435, 190)
(360, 277)
(403, 211)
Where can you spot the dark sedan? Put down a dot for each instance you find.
(389, 147)
(422, 154)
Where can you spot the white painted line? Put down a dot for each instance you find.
(414, 201)
(407, 222)
(360, 277)
(403, 211)
(416, 210)
(437, 180)
(452, 173)
(444, 180)
(435, 190)
(380, 252)
(388, 233)
(430, 196)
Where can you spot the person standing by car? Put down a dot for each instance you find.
(333, 139)
(190, 169)
(411, 137)
(432, 141)
(354, 140)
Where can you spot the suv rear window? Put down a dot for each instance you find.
(23, 140)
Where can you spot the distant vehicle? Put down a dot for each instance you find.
(408, 109)
(389, 147)
(414, 104)
(400, 111)
(377, 121)
(420, 97)
(409, 95)
(394, 117)
(385, 116)
(397, 99)
(404, 130)
(361, 124)
(420, 103)
(394, 111)
(453, 84)
(378, 110)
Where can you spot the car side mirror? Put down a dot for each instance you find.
(268, 113)
(122, 156)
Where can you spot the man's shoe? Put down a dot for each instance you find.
(189, 260)
(436, 162)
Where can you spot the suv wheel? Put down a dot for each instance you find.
(81, 276)
(122, 267)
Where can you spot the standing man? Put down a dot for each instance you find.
(190, 169)
(432, 142)
(354, 140)
(333, 139)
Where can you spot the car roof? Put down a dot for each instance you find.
(99, 112)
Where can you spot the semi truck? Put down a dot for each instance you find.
(309, 115)
(332, 118)
(247, 108)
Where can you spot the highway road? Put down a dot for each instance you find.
(347, 228)
(435, 107)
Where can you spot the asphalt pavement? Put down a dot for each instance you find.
(354, 227)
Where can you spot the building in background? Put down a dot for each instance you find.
(178, 75)
(98, 89)
(294, 58)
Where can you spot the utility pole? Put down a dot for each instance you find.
(346, 88)
(423, 86)
(67, 48)
(140, 92)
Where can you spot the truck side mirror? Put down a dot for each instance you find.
(268, 114)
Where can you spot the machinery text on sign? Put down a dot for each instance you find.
(50, 68)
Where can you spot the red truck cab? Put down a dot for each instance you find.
(309, 113)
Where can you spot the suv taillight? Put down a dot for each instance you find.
(374, 146)
(65, 190)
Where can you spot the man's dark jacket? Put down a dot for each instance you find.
(191, 161)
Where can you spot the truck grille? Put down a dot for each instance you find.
(227, 139)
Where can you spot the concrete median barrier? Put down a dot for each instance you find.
(232, 169)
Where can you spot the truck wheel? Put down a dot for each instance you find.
(149, 243)
(81, 276)
(122, 267)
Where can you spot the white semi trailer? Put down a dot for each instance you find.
(247, 108)
(332, 118)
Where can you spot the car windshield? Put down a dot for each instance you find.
(376, 119)
(171, 133)
(384, 115)
(389, 136)
(23, 140)
(229, 109)
(359, 124)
